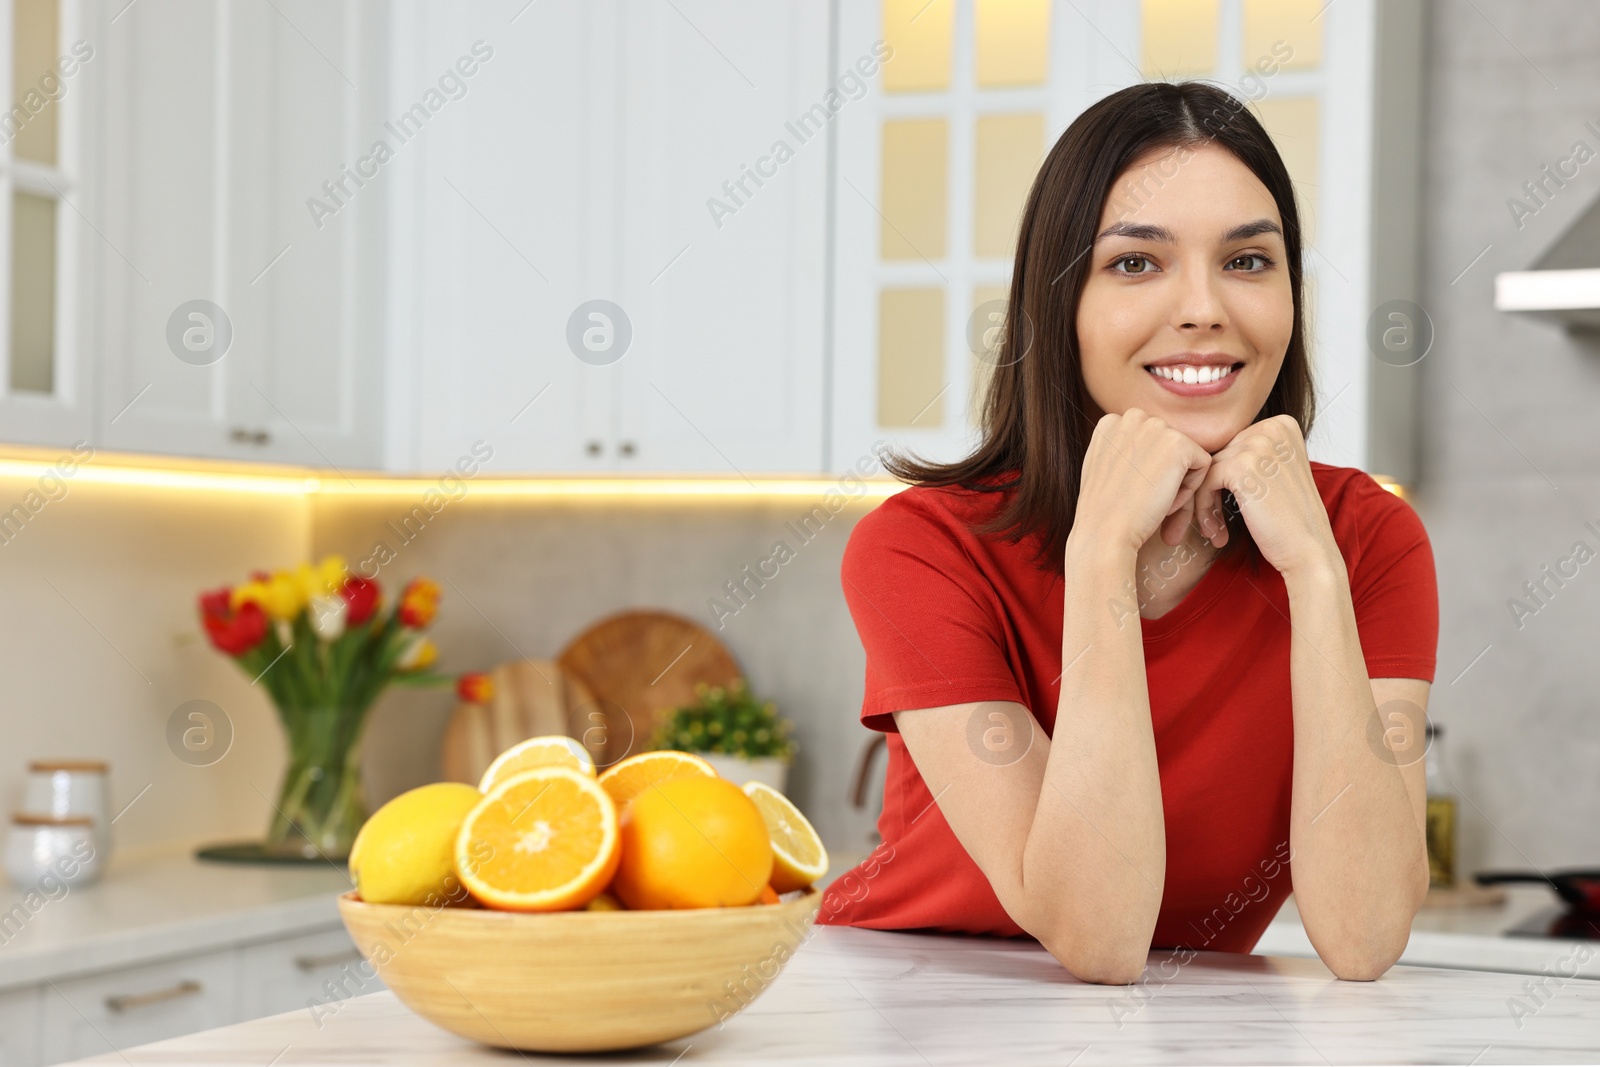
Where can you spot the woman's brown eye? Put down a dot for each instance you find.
(1133, 259)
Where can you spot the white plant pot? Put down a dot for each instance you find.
(738, 770)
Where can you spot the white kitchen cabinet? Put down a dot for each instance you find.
(508, 208)
(47, 387)
(581, 168)
(19, 1028)
(221, 125)
(291, 973)
(723, 231)
(109, 1012)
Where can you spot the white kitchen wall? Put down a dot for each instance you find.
(99, 643)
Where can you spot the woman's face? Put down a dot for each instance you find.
(1188, 271)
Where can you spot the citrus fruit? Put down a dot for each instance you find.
(769, 895)
(798, 858)
(692, 843)
(543, 840)
(402, 854)
(604, 902)
(550, 750)
(627, 778)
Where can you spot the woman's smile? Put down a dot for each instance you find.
(1195, 379)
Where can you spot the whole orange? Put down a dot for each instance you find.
(692, 843)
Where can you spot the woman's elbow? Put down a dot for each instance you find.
(1361, 960)
(1358, 967)
(1122, 968)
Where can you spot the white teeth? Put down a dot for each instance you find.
(1191, 375)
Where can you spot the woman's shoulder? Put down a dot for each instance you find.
(927, 521)
(1363, 513)
(952, 509)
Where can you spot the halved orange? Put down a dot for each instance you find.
(798, 858)
(627, 778)
(543, 840)
(549, 750)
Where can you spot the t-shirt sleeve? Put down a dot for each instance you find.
(930, 630)
(1394, 589)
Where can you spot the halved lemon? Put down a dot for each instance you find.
(627, 778)
(550, 750)
(543, 840)
(798, 858)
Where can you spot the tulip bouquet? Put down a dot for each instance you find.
(322, 645)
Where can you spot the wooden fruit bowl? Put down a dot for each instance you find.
(578, 981)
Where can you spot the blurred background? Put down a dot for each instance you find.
(667, 274)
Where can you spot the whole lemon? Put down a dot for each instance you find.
(403, 853)
(692, 843)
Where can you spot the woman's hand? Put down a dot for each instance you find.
(1267, 470)
(1139, 474)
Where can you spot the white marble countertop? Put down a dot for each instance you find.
(155, 903)
(869, 997)
(1471, 938)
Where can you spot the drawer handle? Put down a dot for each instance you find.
(317, 963)
(129, 1001)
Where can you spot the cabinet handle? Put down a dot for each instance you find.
(129, 1001)
(250, 437)
(317, 963)
(627, 448)
(593, 448)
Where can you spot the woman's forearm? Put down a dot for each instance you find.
(1359, 865)
(1098, 839)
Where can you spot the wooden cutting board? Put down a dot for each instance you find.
(640, 665)
(531, 698)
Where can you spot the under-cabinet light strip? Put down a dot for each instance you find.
(483, 485)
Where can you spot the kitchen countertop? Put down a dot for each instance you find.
(160, 902)
(858, 997)
(1472, 938)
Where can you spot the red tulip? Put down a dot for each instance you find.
(233, 632)
(475, 688)
(216, 602)
(418, 603)
(362, 595)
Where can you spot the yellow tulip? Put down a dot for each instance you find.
(324, 579)
(419, 655)
(286, 596)
(253, 591)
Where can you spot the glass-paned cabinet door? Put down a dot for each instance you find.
(935, 160)
(43, 390)
(937, 157)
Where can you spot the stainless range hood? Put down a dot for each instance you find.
(1564, 286)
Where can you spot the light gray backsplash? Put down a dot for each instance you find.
(522, 578)
(1511, 461)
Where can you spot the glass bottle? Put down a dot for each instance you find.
(1441, 820)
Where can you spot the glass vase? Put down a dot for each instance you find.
(319, 808)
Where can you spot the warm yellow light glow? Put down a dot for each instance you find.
(101, 470)
(153, 477)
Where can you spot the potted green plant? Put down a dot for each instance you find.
(742, 737)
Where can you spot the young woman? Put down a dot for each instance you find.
(1137, 652)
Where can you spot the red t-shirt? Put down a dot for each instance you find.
(924, 590)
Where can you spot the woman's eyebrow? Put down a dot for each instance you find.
(1148, 231)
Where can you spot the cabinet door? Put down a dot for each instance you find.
(723, 224)
(110, 1012)
(296, 972)
(515, 193)
(48, 255)
(243, 313)
(19, 1028)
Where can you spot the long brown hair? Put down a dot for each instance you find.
(1035, 421)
